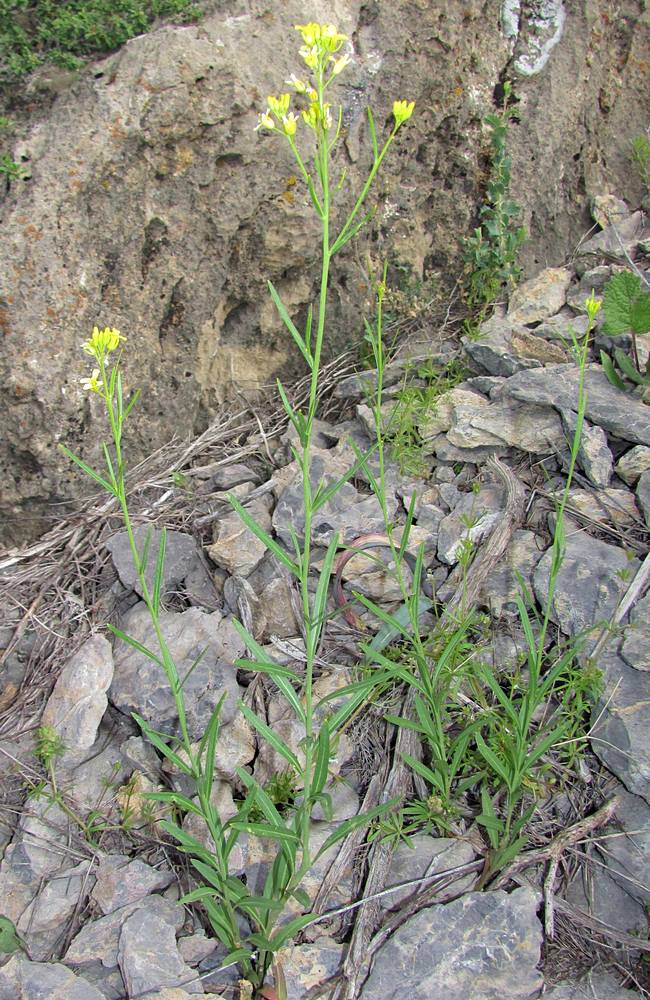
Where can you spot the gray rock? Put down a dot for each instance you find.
(636, 642)
(182, 558)
(594, 456)
(44, 920)
(610, 506)
(348, 512)
(121, 881)
(224, 477)
(503, 585)
(596, 984)
(643, 495)
(633, 464)
(473, 518)
(607, 209)
(628, 857)
(424, 855)
(277, 601)
(99, 939)
(593, 280)
(562, 326)
(483, 945)
(504, 348)
(536, 429)
(621, 720)
(21, 978)
(595, 892)
(140, 685)
(344, 800)
(78, 701)
(140, 754)
(539, 297)
(241, 599)
(308, 966)
(36, 852)
(617, 239)
(236, 548)
(589, 584)
(149, 958)
(623, 415)
(447, 452)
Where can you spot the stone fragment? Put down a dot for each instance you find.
(235, 548)
(22, 979)
(277, 602)
(269, 762)
(78, 701)
(473, 518)
(241, 599)
(589, 584)
(447, 452)
(344, 800)
(348, 512)
(539, 297)
(635, 648)
(597, 983)
(308, 966)
(182, 555)
(633, 464)
(121, 881)
(643, 495)
(607, 209)
(503, 585)
(595, 892)
(621, 721)
(98, 939)
(149, 958)
(618, 239)
(140, 685)
(593, 280)
(439, 418)
(222, 800)
(623, 415)
(503, 349)
(628, 857)
(608, 506)
(594, 457)
(536, 429)
(44, 921)
(224, 477)
(562, 326)
(34, 855)
(424, 855)
(483, 945)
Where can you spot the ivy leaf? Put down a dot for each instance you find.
(10, 940)
(626, 306)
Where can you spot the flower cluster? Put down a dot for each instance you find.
(99, 346)
(322, 42)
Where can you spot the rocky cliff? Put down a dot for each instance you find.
(152, 205)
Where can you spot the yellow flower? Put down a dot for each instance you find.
(310, 116)
(92, 384)
(279, 105)
(310, 54)
(402, 111)
(299, 86)
(339, 64)
(290, 123)
(102, 342)
(265, 121)
(593, 306)
(310, 32)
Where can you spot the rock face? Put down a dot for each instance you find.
(153, 206)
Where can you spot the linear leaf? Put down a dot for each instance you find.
(263, 536)
(288, 322)
(89, 472)
(270, 736)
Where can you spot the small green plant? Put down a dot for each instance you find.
(414, 404)
(63, 33)
(491, 252)
(640, 156)
(10, 940)
(627, 310)
(11, 170)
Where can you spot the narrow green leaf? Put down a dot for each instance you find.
(295, 416)
(610, 371)
(271, 737)
(288, 322)
(131, 404)
(373, 135)
(159, 741)
(322, 589)
(321, 765)
(497, 766)
(628, 367)
(136, 645)
(89, 472)
(322, 496)
(263, 536)
(289, 930)
(175, 799)
(348, 825)
(263, 830)
(208, 747)
(408, 524)
(159, 570)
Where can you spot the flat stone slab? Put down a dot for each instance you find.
(21, 979)
(618, 412)
(140, 685)
(591, 581)
(78, 701)
(483, 945)
(621, 722)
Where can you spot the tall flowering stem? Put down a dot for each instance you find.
(322, 54)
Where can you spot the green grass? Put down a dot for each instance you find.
(65, 33)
